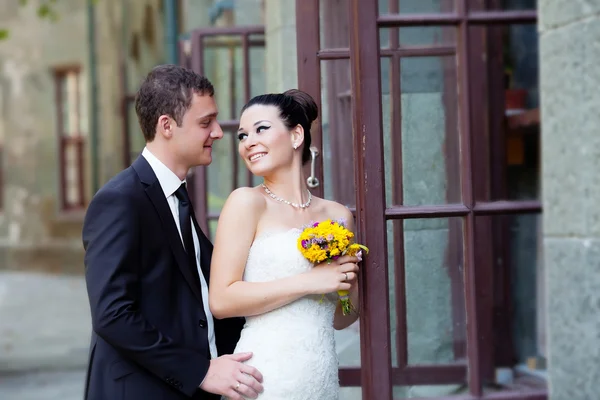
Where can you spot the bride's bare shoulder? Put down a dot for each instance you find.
(246, 199)
(334, 210)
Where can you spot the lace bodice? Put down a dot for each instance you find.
(293, 346)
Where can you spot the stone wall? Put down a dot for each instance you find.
(34, 232)
(570, 78)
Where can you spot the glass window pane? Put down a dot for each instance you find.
(430, 392)
(351, 393)
(338, 142)
(72, 83)
(212, 227)
(224, 66)
(512, 5)
(420, 121)
(83, 104)
(428, 255)
(416, 6)
(418, 36)
(427, 305)
(505, 109)
(220, 67)
(220, 173)
(520, 44)
(64, 105)
(71, 173)
(347, 343)
(510, 247)
(334, 24)
(257, 65)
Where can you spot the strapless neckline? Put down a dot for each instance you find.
(293, 346)
(274, 232)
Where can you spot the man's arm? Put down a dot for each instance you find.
(111, 235)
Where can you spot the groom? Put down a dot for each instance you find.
(147, 262)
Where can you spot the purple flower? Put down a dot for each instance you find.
(315, 224)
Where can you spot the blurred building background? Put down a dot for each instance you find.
(464, 118)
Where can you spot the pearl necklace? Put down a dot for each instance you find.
(272, 195)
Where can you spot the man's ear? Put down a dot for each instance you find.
(164, 126)
(297, 136)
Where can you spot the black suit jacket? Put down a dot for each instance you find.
(149, 337)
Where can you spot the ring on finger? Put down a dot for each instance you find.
(237, 386)
(345, 276)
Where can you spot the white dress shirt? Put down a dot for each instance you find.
(169, 183)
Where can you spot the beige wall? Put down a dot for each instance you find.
(29, 135)
(34, 232)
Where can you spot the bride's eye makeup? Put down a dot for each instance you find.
(262, 128)
(242, 135)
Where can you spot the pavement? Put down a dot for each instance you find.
(44, 385)
(44, 336)
(45, 331)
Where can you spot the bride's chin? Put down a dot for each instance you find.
(261, 172)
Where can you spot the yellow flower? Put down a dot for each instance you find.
(326, 240)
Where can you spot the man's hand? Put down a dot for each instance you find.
(228, 377)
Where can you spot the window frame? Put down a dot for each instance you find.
(194, 59)
(67, 139)
(479, 169)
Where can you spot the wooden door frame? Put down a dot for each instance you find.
(195, 60)
(376, 375)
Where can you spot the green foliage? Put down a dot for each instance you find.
(46, 10)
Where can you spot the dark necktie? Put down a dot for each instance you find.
(186, 213)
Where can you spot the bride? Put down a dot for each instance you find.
(258, 272)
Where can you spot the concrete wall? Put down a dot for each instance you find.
(28, 116)
(280, 21)
(140, 44)
(34, 232)
(571, 188)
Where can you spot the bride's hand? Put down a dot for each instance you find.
(326, 277)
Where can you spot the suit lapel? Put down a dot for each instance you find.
(158, 199)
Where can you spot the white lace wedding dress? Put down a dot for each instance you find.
(293, 346)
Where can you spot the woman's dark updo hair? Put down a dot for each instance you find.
(295, 108)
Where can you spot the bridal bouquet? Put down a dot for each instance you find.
(326, 241)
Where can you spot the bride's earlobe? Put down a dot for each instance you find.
(297, 137)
